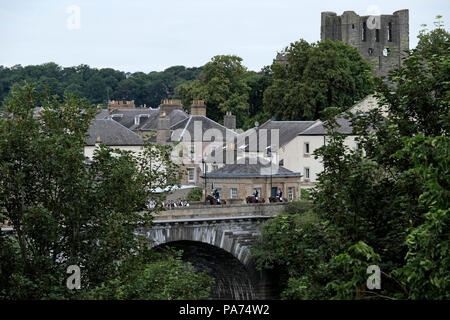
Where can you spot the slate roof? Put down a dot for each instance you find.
(187, 125)
(112, 133)
(287, 130)
(262, 168)
(319, 130)
(148, 119)
(102, 114)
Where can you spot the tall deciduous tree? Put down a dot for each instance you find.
(68, 211)
(316, 76)
(223, 87)
(385, 203)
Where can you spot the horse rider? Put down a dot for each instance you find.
(216, 195)
(256, 195)
(279, 195)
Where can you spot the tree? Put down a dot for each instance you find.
(195, 194)
(385, 203)
(317, 76)
(67, 211)
(222, 85)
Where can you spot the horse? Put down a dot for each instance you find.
(276, 199)
(252, 199)
(213, 200)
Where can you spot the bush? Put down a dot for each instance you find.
(195, 194)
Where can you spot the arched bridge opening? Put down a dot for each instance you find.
(218, 241)
(232, 280)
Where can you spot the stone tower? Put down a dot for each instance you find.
(381, 40)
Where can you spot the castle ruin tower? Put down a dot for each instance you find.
(381, 40)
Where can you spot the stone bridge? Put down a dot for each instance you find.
(218, 239)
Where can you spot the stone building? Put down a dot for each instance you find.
(239, 180)
(194, 134)
(113, 134)
(381, 40)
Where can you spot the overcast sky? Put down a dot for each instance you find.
(153, 35)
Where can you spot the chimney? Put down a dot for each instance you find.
(98, 141)
(198, 108)
(120, 104)
(163, 133)
(168, 105)
(229, 121)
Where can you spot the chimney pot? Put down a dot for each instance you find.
(198, 108)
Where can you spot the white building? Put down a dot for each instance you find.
(113, 134)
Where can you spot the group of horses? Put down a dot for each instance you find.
(250, 199)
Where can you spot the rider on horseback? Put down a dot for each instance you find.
(279, 195)
(216, 195)
(255, 194)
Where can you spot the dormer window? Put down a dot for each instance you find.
(137, 119)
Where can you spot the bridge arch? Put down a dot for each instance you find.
(230, 229)
(232, 280)
(234, 235)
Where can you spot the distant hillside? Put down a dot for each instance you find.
(99, 85)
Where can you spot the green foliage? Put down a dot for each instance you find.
(295, 246)
(425, 273)
(298, 206)
(385, 203)
(163, 278)
(99, 85)
(351, 267)
(317, 76)
(196, 194)
(223, 87)
(66, 210)
(305, 194)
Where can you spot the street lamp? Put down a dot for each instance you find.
(204, 176)
(269, 150)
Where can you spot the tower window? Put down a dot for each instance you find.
(353, 26)
(390, 31)
(377, 35)
(364, 31)
(370, 51)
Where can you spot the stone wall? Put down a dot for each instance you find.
(377, 47)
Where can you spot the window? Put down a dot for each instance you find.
(377, 35)
(191, 174)
(291, 193)
(306, 147)
(192, 153)
(233, 193)
(370, 51)
(364, 32)
(390, 31)
(353, 26)
(306, 173)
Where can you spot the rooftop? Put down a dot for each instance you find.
(112, 133)
(250, 169)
